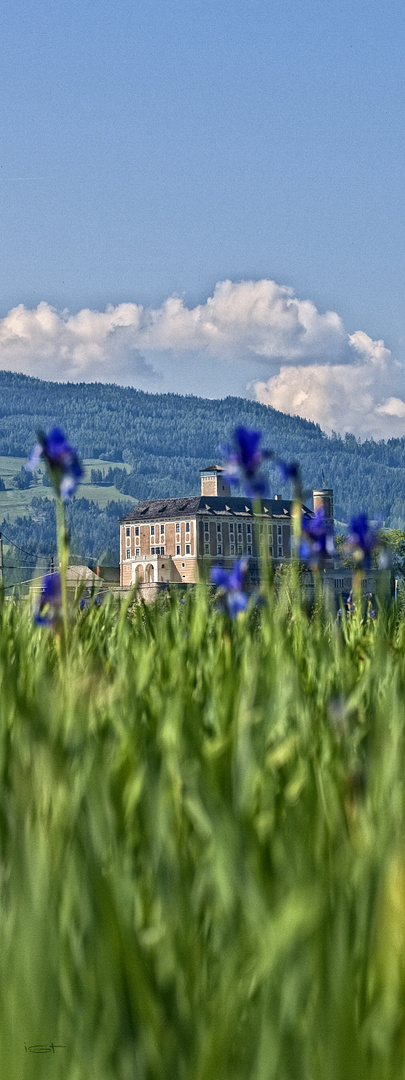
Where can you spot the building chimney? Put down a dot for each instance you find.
(323, 500)
(212, 482)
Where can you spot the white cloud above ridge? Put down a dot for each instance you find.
(300, 360)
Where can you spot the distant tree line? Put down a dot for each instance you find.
(112, 478)
(94, 532)
(167, 439)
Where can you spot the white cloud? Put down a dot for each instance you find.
(243, 319)
(343, 397)
(291, 355)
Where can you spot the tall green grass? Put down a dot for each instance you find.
(202, 830)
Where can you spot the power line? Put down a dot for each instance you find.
(24, 566)
(24, 550)
(47, 554)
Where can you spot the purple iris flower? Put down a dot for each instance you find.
(317, 544)
(362, 540)
(289, 472)
(48, 608)
(244, 461)
(85, 601)
(62, 462)
(231, 585)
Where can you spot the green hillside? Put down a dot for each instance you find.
(155, 444)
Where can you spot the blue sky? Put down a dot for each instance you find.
(156, 149)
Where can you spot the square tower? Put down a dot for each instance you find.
(212, 482)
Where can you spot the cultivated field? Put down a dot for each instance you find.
(202, 827)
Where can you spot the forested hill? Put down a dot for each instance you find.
(167, 438)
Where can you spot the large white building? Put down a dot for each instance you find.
(164, 540)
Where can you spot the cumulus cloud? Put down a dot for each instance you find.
(289, 354)
(344, 397)
(247, 319)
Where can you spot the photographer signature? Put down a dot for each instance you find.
(42, 1048)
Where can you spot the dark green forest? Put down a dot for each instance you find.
(31, 539)
(167, 438)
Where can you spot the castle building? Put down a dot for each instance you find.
(175, 540)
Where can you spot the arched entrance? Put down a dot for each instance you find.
(149, 573)
(139, 574)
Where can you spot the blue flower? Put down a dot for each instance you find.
(48, 608)
(230, 584)
(289, 472)
(361, 540)
(85, 601)
(317, 543)
(62, 462)
(244, 461)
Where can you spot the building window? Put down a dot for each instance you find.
(183, 565)
(219, 549)
(231, 527)
(232, 549)
(136, 530)
(177, 527)
(152, 530)
(162, 528)
(249, 549)
(187, 526)
(162, 551)
(128, 553)
(152, 551)
(128, 531)
(206, 549)
(219, 528)
(280, 551)
(138, 552)
(279, 530)
(239, 527)
(178, 549)
(188, 549)
(249, 527)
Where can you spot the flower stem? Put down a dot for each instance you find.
(63, 559)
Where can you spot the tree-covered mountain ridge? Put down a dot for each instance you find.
(168, 438)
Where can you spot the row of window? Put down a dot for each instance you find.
(157, 551)
(232, 547)
(155, 529)
(231, 525)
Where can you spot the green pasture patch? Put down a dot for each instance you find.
(102, 495)
(99, 463)
(15, 503)
(9, 466)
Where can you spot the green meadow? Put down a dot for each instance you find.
(15, 503)
(202, 828)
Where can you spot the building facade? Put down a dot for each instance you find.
(175, 540)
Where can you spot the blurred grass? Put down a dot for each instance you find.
(202, 845)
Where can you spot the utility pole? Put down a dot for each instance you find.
(1, 560)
